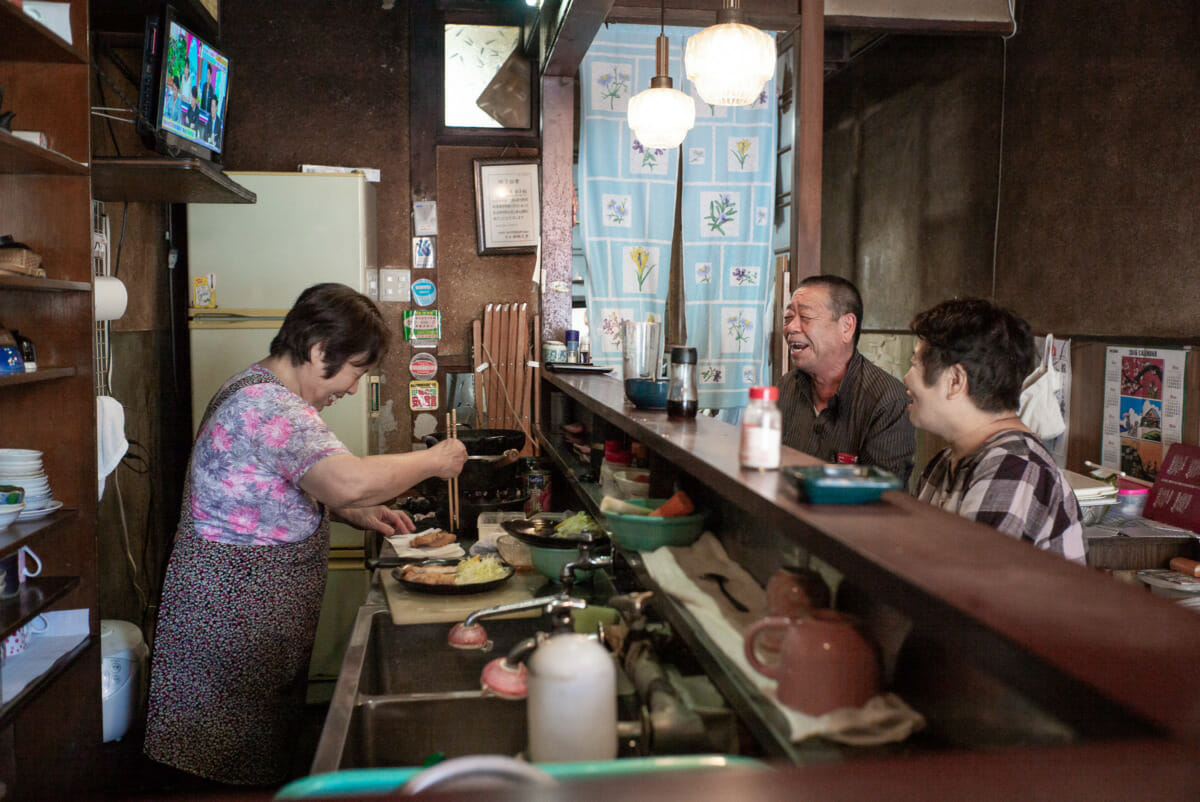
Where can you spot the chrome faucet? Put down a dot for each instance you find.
(584, 562)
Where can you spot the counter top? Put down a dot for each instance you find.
(1100, 650)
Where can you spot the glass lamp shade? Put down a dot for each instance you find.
(661, 117)
(730, 63)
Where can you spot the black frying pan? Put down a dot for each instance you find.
(484, 442)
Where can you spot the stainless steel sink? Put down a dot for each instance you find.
(405, 694)
(408, 730)
(417, 658)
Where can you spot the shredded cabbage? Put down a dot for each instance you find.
(579, 522)
(480, 568)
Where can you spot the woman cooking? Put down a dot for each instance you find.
(243, 587)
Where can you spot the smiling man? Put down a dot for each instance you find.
(836, 405)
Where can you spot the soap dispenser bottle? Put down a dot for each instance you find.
(572, 704)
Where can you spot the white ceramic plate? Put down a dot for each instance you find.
(33, 515)
(20, 452)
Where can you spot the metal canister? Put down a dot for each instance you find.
(537, 488)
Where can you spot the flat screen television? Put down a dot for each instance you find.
(185, 89)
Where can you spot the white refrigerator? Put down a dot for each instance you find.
(304, 229)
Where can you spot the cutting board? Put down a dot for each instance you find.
(412, 607)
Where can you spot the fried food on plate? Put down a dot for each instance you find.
(433, 539)
(430, 574)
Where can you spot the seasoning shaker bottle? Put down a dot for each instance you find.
(762, 430)
(682, 395)
(572, 347)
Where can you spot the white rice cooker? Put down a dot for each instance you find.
(123, 656)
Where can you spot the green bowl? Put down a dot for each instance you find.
(643, 533)
(549, 562)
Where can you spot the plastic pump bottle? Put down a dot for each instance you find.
(572, 705)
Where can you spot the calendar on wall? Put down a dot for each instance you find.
(1143, 408)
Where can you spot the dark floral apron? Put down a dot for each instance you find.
(231, 651)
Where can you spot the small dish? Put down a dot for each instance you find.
(840, 484)
(10, 513)
(539, 532)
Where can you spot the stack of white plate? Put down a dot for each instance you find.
(23, 467)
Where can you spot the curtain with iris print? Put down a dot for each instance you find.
(627, 203)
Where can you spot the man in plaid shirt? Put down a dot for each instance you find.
(965, 383)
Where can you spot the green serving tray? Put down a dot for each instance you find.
(840, 484)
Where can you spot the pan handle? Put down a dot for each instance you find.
(429, 440)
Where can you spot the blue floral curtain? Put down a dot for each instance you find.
(627, 204)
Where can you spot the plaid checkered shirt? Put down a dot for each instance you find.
(1011, 483)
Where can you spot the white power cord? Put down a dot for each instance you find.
(133, 569)
(1000, 154)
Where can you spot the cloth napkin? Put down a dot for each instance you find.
(883, 719)
(111, 444)
(401, 545)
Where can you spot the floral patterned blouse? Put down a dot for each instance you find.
(248, 461)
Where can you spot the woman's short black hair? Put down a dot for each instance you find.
(346, 323)
(994, 347)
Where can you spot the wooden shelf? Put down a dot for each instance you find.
(19, 156)
(164, 180)
(37, 594)
(23, 38)
(18, 533)
(39, 375)
(34, 688)
(11, 282)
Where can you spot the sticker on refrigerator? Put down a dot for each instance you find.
(422, 396)
(423, 254)
(204, 291)
(423, 366)
(424, 292)
(422, 326)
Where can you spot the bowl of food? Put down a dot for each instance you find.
(647, 393)
(633, 483)
(514, 552)
(549, 562)
(647, 533)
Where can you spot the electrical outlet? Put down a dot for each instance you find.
(373, 283)
(394, 285)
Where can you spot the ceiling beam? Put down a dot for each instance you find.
(906, 16)
(566, 30)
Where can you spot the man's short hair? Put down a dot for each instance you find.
(994, 347)
(844, 298)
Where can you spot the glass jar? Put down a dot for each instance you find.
(762, 430)
(683, 398)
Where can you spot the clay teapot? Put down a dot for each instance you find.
(825, 663)
(792, 592)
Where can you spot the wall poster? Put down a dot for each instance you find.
(1143, 408)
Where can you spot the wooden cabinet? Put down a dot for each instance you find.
(51, 730)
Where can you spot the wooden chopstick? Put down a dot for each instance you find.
(452, 434)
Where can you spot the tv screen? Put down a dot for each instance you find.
(193, 90)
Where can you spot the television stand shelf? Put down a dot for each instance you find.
(164, 180)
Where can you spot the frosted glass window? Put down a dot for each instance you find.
(474, 54)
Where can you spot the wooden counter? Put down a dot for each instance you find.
(1111, 659)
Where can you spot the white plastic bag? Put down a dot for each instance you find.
(1039, 408)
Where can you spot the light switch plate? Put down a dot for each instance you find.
(394, 284)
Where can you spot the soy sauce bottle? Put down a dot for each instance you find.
(682, 395)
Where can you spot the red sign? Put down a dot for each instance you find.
(1175, 497)
(423, 366)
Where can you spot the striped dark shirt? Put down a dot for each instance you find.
(1011, 483)
(867, 419)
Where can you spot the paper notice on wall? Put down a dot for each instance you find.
(1143, 408)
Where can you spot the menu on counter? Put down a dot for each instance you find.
(1143, 408)
(1175, 497)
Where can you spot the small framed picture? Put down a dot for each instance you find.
(508, 209)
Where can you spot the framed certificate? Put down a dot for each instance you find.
(508, 209)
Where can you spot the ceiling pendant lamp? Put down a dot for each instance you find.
(730, 62)
(661, 116)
